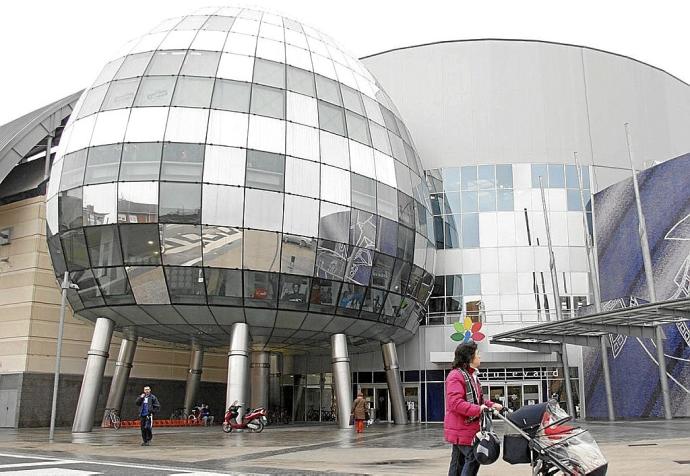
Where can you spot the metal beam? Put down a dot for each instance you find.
(587, 341)
(645, 332)
(543, 347)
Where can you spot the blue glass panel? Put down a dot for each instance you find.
(504, 176)
(539, 170)
(556, 176)
(470, 230)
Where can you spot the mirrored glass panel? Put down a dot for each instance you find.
(363, 194)
(262, 250)
(103, 164)
(331, 260)
(193, 92)
(114, 285)
(351, 299)
(88, 290)
(470, 230)
(352, 99)
(486, 177)
(539, 170)
(200, 63)
(269, 73)
(363, 229)
(148, 284)
(300, 81)
(265, 170)
(328, 90)
(260, 289)
(140, 244)
(141, 161)
(182, 162)
(223, 286)
(331, 118)
(180, 244)
(324, 295)
(134, 65)
(120, 94)
(382, 271)
(73, 170)
(556, 176)
(70, 209)
(231, 95)
(137, 202)
(298, 255)
(504, 176)
(166, 62)
(357, 128)
(334, 223)
(468, 176)
(100, 204)
(180, 202)
(74, 247)
(155, 91)
(104, 245)
(373, 303)
(185, 285)
(294, 292)
(359, 263)
(222, 246)
(387, 199)
(405, 243)
(387, 236)
(267, 101)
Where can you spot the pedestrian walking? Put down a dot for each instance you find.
(149, 406)
(464, 405)
(359, 412)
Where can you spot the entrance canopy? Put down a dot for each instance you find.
(639, 321)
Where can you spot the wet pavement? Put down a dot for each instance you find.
(641, 447)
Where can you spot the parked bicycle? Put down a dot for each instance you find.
(113, 418)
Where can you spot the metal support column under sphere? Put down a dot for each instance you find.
(93, 376)
(395, 391)
(196, 362)
(259, 379)
(342, 378)
(238, 367)
(123, 366)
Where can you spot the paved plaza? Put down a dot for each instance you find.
(648, 447)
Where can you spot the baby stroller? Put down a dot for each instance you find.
(547, 441)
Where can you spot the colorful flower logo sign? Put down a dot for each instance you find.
(467, 331)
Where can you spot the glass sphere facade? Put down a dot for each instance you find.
(237, 166)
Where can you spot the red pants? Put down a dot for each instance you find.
(359, 426)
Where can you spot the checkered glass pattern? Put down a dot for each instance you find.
(237, 166)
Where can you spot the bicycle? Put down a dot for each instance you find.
(113, 418)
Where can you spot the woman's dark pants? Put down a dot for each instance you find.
(462, 462)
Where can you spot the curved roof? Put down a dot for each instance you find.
(19, 137)
(571, 45)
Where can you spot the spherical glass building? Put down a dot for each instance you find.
(238, 166)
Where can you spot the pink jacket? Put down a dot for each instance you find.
(455, 427)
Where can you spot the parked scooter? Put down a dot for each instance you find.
(253, 420)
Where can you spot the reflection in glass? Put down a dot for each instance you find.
(262, 250)
(120, 94)
(486, 177)
(263, 210)
(200, 63)
(357, 128)
(373, 303)
(103, 163)
(186, 285)
(359, 264)
(137, 202)
(166, 62)
(331, 118)
(100, 204)
(324, 294)
(141, 161)
(265, 170)
(556, 176)
(222, 246)
(406, 209)
(300, 81)
(505, 200)
(223, 286)
(74, 246)
(387, 198)
(294, 292)
(468, 176)
(363, 194)
(193, 92)
(140, 244)
(114, 285)
(470, 230)
(334, 223)
(180, 202)
(260, 289)
(155, 91)
(231, 95)
(504, 176)
(269, 73)
(73, 170)
(331, 259)
(363, 229)
(70, 209)
(487, 201)
(134, 65)
(298, 255)
(382, 271)
(88, 290)
(539, 170)
(470, 202)
(180, 244)
(351, 299)
(267, 101)
(182, 162)
(223, 205)
(387, 236)
(148, 284)
(104, 245)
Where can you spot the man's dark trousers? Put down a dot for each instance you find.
(145, 424)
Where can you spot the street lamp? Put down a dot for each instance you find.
(65, 285)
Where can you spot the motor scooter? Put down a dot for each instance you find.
(253, 420)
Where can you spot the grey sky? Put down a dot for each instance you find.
(51, 49)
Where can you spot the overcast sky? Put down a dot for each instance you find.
(53, 48)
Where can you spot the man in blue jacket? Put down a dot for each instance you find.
(149, 405)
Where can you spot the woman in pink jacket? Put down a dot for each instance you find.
(463, 407)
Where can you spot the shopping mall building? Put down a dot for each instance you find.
(245, 211)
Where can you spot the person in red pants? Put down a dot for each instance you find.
(359, 411)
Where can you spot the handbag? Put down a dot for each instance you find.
(486, 446)
(352, 419)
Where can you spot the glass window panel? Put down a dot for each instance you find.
(300, 81)
(74, 247)
(504, 176)
(179, 202)
(574, 202)
(109, 71)
(114, 285)
(373, 303)
(571, 179)
(387, 236)
(471, 284)
(359, 263)
(470, 202)
(134, 65)
(92, 102)
(352, 100)
(468, 179)
(324, 295)
(556, 176)
(335, 185)
(231, 95)
(193, 92)
(539, 170)
(137, 202)
(155, 91)
(88, 290)
(219, 23)
(148, 284)
(451, 202)
(223, 205)
(406, 209)
(260, 289)
(470, 230)
(451, 178)
(328, 90)
(301, 216)
(268, 101)
(104, 245)
(331, 118)
(405, 243)
(186, 285)
(182, 162)
(180, 244)
(379, 138)
(261, 250)
(357, 128)
(140, 244)
(263, 210)
(302, 177)
(223, 286)
(103, 163)
(73, 170)
(265, 170)
(120, 94)
(100, 204)
(389, 120)
(141, 161)
(363, 192)
(200, 63)
(387, 199)
(334, 222)
(298, 255)
(351, 299)
(294, 292)
(438, 232)
(224, 165)
(166, 63)
(486, 177)
(331, 259)
(363, 229)
(437, 204)
(222, 246)
(451, 231)
(454, 285)
(382, 271)
(585, 177)
(505, 200)
(487, 200)
(269, 73)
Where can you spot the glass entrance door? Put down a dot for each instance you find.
(514, 396)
